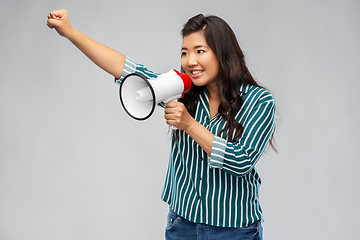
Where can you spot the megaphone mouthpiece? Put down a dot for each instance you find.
(186, 81)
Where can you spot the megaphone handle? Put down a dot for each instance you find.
(175, 99)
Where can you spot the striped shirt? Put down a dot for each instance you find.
(221, 189)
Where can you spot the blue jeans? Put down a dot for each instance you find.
(179, 228)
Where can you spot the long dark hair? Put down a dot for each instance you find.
(232, 71)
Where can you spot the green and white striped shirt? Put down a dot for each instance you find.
(221, 189)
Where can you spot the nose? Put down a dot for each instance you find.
(192, 60)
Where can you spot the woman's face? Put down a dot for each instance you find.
(198, 60)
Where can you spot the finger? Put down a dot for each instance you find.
(173, 104)
(173, 111)
(170, 110)
(52, 15)
(170, 123)
(49, 25)
(171, 117)
(58, 14)
(52, 23)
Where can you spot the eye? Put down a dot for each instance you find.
(200, 51)
(183, 54)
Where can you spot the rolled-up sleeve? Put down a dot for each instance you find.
(132, 67)
(238, 158)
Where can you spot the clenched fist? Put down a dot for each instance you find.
(176, 115)
(59, 20)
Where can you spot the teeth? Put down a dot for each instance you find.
(196, 72)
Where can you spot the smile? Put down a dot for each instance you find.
(197, 72)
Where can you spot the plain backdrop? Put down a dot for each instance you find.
(74, 165)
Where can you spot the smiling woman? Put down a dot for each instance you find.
(234, 122)
(223, 125)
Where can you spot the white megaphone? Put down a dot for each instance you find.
(139, 96)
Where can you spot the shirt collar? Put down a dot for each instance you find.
(244, 88)
(204, 100)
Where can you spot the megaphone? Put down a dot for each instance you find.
(139, 96)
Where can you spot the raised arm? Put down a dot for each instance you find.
(106, 58)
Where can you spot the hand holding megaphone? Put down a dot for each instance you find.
(177, 116)
(139, 96)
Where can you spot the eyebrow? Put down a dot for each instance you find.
(198, 46)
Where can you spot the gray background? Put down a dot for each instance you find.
(73, 165)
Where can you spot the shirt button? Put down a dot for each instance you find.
(200, 178)
(198, 197)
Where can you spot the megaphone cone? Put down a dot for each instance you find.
(139, 96)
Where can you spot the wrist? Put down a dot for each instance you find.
(72, 34)
(190, 126)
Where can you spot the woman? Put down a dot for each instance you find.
(224, 124)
